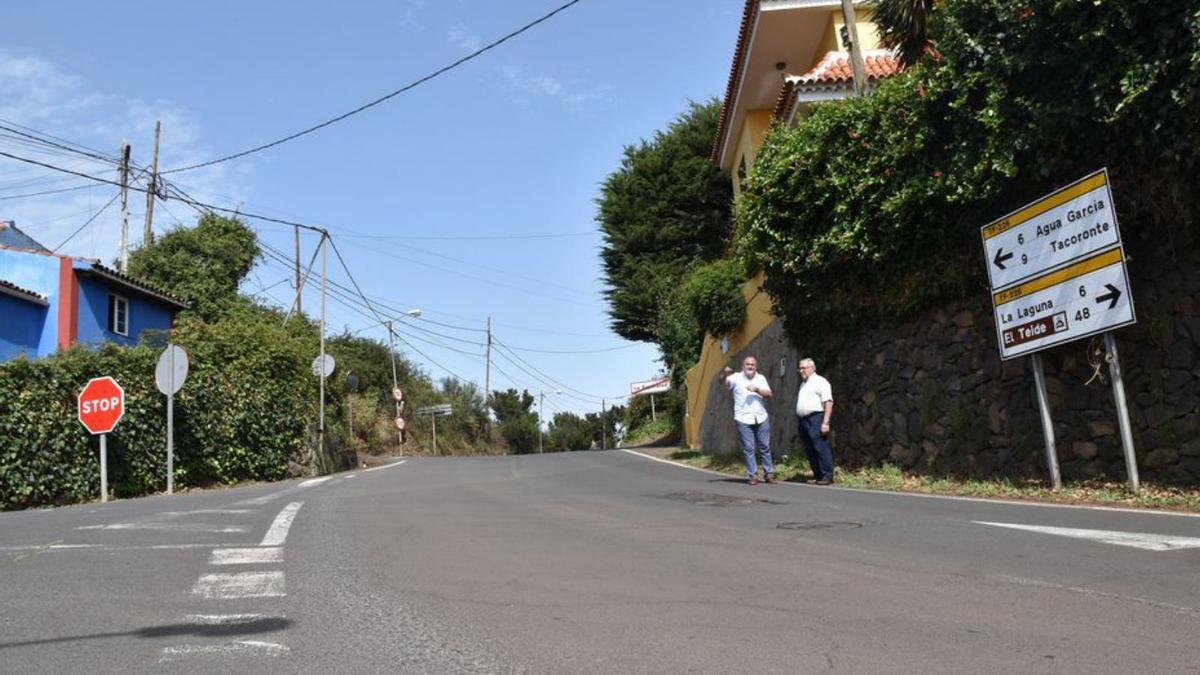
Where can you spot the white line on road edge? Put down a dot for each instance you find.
(314, 481)
(166, 527)
(203, 511)
(283, 522)
(353, 475)
(239, 648)
(240, 585)
(246, 556)
(980, 500)
(1142, 540)
(667, 461)
(385, 466)
(102, 547)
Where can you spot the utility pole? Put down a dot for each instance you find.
(603, 428)
(148, 236)
(487, 371)
(299, 307)
(395, 384)
(124, 206)
(856, 59)
(541, 405)
(321, 422)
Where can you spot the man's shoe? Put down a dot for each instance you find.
(771, 479)
(753, 481)
(825, 481)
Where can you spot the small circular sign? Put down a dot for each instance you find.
(323, 366)
(172, 370)
(401, 424)
(397, 394)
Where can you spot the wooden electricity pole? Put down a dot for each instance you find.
(856, 59)
(299, 295)
(148, 235)
(125, 206)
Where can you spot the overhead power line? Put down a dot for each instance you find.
(381, 99)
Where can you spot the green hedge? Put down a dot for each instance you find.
(240, 416)
(714, 294)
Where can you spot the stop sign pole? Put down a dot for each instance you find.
(101, 406)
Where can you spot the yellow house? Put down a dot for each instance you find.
(790, 55)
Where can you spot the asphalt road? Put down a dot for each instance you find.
(603, 562)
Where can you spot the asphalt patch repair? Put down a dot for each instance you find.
(717, 499)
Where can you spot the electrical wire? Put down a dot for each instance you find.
(381, 99)
(89, 222)
(46, 192)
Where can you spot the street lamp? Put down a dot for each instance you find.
(414, 313)
(541, 402)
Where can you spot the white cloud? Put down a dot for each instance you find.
(468, 42)
(38, 94)
(573, 94)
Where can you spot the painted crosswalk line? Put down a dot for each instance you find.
(240, 585)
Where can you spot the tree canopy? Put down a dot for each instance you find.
(666, 208)
(204, 264)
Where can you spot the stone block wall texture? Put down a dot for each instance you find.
(931, 394)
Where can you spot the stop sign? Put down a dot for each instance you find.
(101, 404)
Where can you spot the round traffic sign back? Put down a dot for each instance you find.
(101, 405)
(172, 370)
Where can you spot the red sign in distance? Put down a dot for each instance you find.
(101, 405)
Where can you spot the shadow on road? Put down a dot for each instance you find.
(250, 626)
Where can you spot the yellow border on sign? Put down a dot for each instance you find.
(1080, 268)
(1045, 204)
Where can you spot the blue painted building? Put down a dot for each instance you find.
(50, 301)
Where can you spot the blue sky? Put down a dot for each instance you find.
(512, 144)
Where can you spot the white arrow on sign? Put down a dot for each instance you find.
(1142, 540)
(1065, 225)
(1082, 299)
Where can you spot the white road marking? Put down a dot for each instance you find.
(353, 475)
(102, 547)
(203, 511)
(919, 495)
(1142, 540)
(283, 522)
(314, 481)
(229, 619)
(240, 585)
(238, 648)
(167, 527)
(245, 556)
(385, 466)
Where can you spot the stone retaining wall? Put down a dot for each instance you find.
(932, 394)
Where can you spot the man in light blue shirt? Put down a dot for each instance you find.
(750, 390)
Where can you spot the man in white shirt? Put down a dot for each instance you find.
(750, 390)
(814, 407)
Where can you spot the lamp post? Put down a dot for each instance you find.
(414, 313)
(541, 403)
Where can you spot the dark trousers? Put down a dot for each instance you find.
(816, 446)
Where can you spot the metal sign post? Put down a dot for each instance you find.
(1039, 379)
(1057, 273)
(169, 375)
(101, 406)
(1114, 369)
(103, 468)
(434, 411)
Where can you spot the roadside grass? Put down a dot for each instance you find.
(892, 478)
(650, 431)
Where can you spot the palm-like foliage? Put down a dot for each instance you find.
(904, 26)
